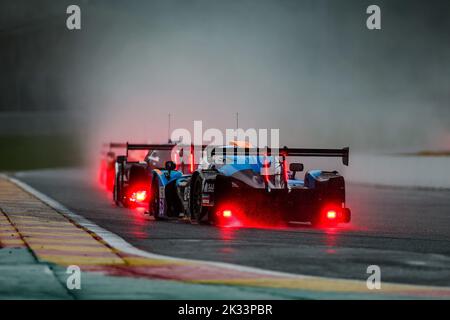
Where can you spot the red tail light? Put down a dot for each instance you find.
(331, 214)
(285, 171)
(141, 195)
(266, 170)
(227, 213)
(191, 162)
(138, 196)
(191, 159)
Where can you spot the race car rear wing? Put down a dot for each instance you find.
(285, 152)
(149, 147)
(169, 146)
(108, 147)
(115, 145)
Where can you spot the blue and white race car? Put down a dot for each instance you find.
(242, 186)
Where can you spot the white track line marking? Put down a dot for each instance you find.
(120, 244)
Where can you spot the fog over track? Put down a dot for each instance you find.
(429, 172)
(309, 68)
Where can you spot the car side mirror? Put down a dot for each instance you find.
(170, 165)
(295, 167)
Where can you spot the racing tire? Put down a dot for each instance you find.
(198, 212)
(117, 193)
(153, 206)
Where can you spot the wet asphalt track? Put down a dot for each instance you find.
(404, 231)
